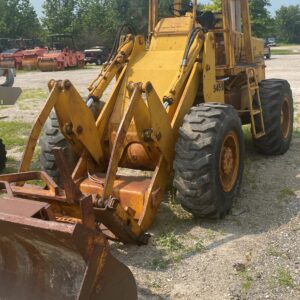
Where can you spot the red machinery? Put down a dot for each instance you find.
(12, 58)
(30, 57)
(61, 56)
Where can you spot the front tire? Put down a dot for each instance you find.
(209, 160)
(278, 111)
(53, 138)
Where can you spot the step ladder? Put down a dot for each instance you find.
(256, 113)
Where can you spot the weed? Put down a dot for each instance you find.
(247, 282)
(198, 247)
(284, 278)
(155, 284)
(286, 193)
(273, 251)
(247, 135)
(247, 279)
(172, 251)
(169, 242)
(39, 183)
(160, 263)
(211, 234)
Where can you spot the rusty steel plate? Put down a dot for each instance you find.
(21, 207)
(50, 260)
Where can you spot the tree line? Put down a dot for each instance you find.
(94, 22)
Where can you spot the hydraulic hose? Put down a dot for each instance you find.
(113, 53)
(118, 37)
(191, 40)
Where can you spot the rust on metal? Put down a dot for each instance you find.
(71, 190)
(130, 190)
(49, 260)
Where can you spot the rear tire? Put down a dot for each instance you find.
(203, 160)
(278, 111)
(52, 138)
(3, 158)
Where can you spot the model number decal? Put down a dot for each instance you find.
(218, 87)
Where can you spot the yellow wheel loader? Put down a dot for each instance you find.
(178, 102)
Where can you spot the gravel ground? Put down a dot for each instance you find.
(251, 254)
(39, 80)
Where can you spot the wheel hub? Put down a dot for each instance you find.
(229, 162)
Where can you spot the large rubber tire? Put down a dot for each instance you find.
(51, 138)
(275, 95)
(3, 158)
(197, 162)
(10, 79)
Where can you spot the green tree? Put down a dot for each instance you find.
(59, 16)
(261, 19)
(214, 5)
(3, 24)
(28, 22)
(99, 20)
(287, 22)
(95, 23)
(18, 19)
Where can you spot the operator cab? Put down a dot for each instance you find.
(206, 19)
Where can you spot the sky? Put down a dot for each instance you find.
(275, 4)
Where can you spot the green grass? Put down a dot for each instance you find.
(11, 166)
(33, 94)
(286, 45)
(284, 52)
(31, 97)
(14, 134)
